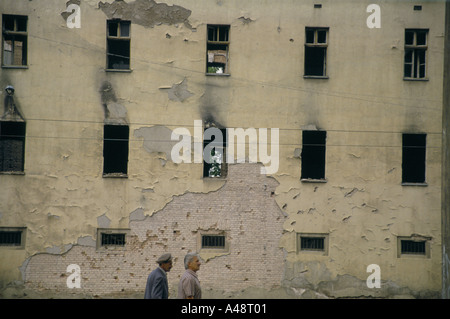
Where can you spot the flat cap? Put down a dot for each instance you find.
(164, 258)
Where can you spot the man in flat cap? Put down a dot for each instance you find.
(157, 286)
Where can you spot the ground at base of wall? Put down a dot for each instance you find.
(19, 292)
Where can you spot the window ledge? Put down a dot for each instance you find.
(416, 80)
(115, 175)
(312, 180)
(12, 173)
(320, 77)
(20, 67)
(119, 70)
(218, 74)
(415, 184)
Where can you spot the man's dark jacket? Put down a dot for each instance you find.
(157, 286)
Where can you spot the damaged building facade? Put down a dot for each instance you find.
(91, 195)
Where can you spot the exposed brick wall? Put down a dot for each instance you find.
(244, 208)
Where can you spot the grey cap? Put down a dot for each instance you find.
(164, 258)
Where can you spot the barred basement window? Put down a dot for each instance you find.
(14, 44)
(118, 45)
(413, 247)
(12, 146)
(413, 158)
(218, 45)
(213, 241)
(115, 150)
(12, 237)
(113, 239)
(313, 155)
(312, 243)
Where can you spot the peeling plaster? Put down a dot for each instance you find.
(157, 139)
(178, 92)
(147, 13)
(115, 113)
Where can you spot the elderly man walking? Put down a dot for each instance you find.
(189, 286)
(157, 286)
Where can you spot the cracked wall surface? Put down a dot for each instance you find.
(67, 96)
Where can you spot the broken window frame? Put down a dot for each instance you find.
(12, 237)
(12, 147)
(115, 143)
(422, 251)
(313, 156)
(324, 237)
(414, 156)
(415, 58)
(222, 166)
(16, 35)
(310, 52)
(218, 40)
(118, 39)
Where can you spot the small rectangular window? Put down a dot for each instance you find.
(118, 45)
(113, 239)
(12, 146)
(115, 150)
(316, 44)
(415, 53)
(313, 155)
(413, 246)
(218, 45)
(213, 241)
(312, 243)
(12, 237)
(414, 158)
(214, 146)
(108, 238)
(15, 40)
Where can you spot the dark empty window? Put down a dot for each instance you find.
(316, 44)
(313, 155)
(113, 239)
(14, 44)
(213, 241)
(214, 155)
(12, 146)
(415, 53)
(118, 45)
(414, 156)
(10, 237)
(312, 243)
(217, 49)
(115, 150)
(413, 247)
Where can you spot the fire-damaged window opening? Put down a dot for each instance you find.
(313, 156)
(218, 45)
(115, 150)
(312, 243)
(118, 45)
(12, 237)
(12, 146)
(413, 246)
(415, 54)
(14, 44)
(316, 44)
(111, 238)
(414, 159)
(214, 154)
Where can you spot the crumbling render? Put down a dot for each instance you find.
(147, 13)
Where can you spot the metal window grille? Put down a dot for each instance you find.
(213, 241)
(413, 247)
(113, 239)
(10, 238)
(312, 243)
